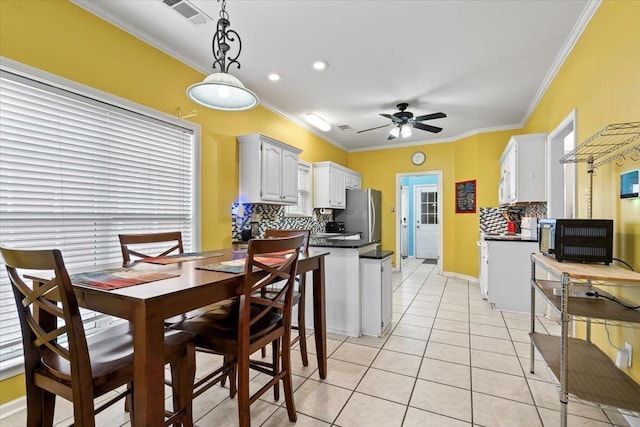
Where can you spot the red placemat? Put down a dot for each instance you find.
(116, 278)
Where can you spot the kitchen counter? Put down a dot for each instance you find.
(338, 240)
(376, 254)
(506, 237)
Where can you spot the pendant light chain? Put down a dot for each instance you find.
(221, 42)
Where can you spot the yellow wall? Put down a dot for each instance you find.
(600, 78)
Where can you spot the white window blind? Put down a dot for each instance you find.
(304, 206)
(75, 172)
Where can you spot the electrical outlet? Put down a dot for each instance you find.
(624, 357)
(629, 349)
(576, 293)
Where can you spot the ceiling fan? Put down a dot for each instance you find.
(404, 121)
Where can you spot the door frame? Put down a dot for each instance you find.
(556, 197)
(397, 254)
(415, 212)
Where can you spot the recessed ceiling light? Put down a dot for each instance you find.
(320, 65)
(317, 121)
(274, 77)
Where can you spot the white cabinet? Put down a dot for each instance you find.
(375, 275)
(508, 275)
(343, 296)
(522, 170)
(268, 170)
(330, 183)
(353, 180)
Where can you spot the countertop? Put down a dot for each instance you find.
(337, 243)
(377, 254)
(506, 237)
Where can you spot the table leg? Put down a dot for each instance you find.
(148, 366)
(319, 318)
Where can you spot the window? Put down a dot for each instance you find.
(75, 171)
(304, 206)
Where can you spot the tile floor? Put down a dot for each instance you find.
(448, 359)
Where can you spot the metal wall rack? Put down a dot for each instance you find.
(612, 142)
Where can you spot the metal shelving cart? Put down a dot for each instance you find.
(580, 368)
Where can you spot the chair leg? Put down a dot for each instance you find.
(302, 332)
(244, 414)
(275, 346)
(287, 382)
(183, 373)
(48, 407)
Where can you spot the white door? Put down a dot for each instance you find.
(426, 221)
(404, 221)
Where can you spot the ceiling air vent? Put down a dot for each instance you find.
(345, 128)
(188, 11)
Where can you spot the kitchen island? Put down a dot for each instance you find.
(343, 288)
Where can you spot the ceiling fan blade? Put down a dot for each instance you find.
(390, 137)
(388, 116)
(377, 127)
(431, 116)
(427, 127)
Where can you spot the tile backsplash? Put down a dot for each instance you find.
(273, 216)
(492, 221)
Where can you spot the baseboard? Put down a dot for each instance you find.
(461, 276)
(632, 421)
(13, 407)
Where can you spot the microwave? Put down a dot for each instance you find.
(577, 240)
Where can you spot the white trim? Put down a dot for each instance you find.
(398, 190)
(576, 32)
(439, 141)
(13, 407)
(461, 276)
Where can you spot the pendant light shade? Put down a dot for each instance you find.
(222, 91)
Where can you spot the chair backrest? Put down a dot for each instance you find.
(47, 309)
(142, 242)
(275, 232)
(268, 261)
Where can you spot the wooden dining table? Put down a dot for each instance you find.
(148, 305)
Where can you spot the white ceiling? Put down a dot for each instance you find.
(483, 63)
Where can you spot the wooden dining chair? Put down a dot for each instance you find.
(298, 291)
(239, 330)
(132, 245)
(60, 360)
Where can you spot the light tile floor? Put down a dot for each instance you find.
(448, 359)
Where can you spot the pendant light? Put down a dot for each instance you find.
(221, 90)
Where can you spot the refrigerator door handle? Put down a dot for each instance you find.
(372, 216)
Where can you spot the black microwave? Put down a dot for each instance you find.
(577, 240)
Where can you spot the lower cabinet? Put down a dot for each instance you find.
(376, 282)
(509, 274)
(343, 296)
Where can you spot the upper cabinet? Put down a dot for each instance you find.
(522, 170)
(268, 170)
(330, 183)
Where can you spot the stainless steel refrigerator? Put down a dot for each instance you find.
(363, 214)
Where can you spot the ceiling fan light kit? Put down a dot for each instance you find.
(221, 90)
(404, 121)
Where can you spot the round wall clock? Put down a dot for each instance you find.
(418, 158)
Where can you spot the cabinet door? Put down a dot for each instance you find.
(289, 175)
(353, 181)
(512, 175)
(271, 173)
(337, 193)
